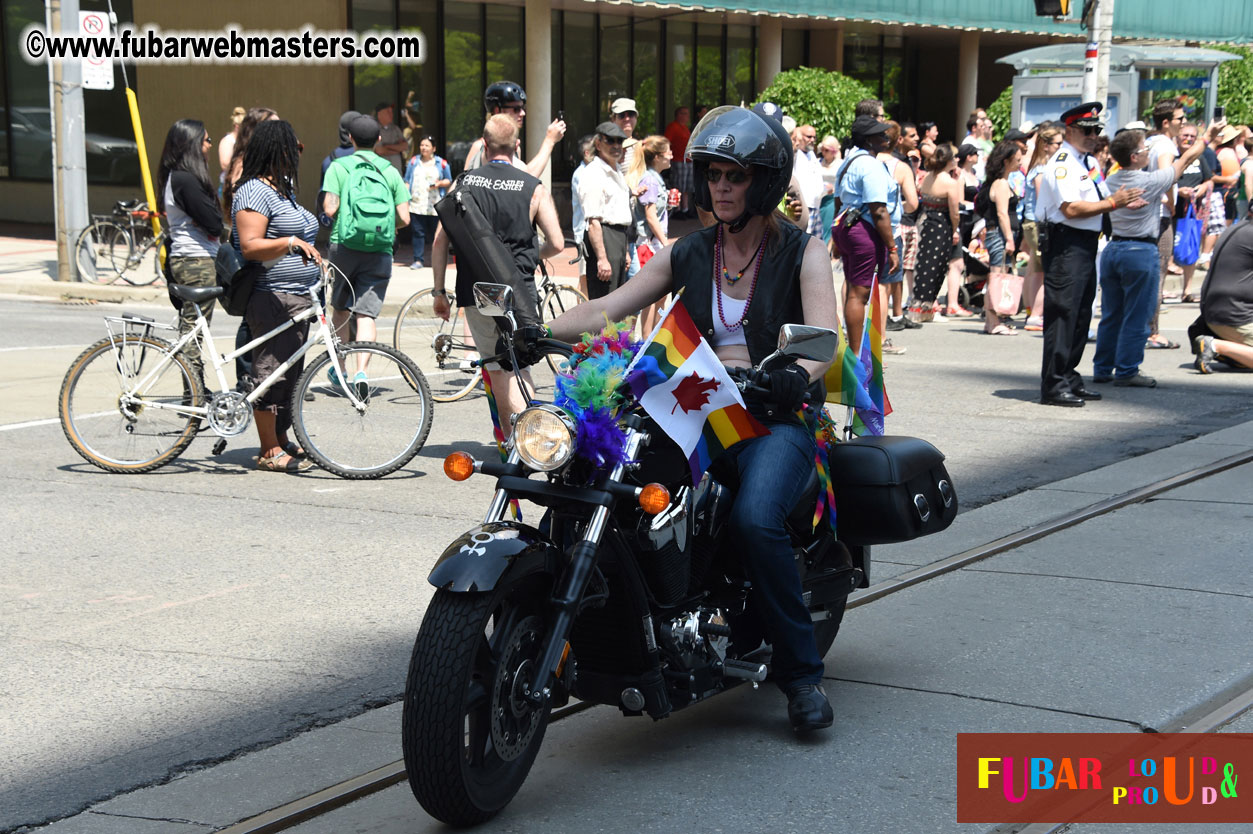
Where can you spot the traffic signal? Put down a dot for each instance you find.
(1052, 8)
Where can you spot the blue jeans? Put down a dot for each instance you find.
(773, 471)
(1129, 273)
(423, 226)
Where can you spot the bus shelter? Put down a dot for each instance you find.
(1050, 79)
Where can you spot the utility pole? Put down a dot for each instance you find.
(69, 144)
(1096, 60)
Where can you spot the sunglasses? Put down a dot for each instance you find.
(208, 140)
(714, 175)
(611, 140)
(514, 108)
(1090, 131)
(300, 147)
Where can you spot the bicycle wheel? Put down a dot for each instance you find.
(559, 299)
(441, 349)
(144, 264)
(381, 435)
(93, 252)
(114, 424)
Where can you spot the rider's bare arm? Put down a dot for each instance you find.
(649, 285)
(817, 297)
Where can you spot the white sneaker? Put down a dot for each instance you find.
(1204, 258)
(939, 316)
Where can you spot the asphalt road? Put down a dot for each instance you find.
(161, 622)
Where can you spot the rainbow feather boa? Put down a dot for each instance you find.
(590, 387)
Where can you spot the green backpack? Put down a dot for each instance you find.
(366, 220)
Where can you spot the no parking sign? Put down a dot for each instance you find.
(97, 71)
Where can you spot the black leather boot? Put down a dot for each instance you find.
(808, 708)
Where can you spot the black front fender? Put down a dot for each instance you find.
(479, 557)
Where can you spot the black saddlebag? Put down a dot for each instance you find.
(890, 489)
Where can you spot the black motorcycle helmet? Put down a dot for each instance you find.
(502, 93)
(735, 134)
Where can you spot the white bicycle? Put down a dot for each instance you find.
(131, 402)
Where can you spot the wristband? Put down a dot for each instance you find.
(442, 292)
(1112, 204)
(548, 332)
(291, 244)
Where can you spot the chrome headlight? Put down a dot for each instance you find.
(544, 437)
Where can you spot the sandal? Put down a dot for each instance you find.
(1189, 298)
(292, 448)
(272, 464)
(1161, 344)
(958, 312)
(1000, 330)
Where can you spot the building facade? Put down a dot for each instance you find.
(929, 60)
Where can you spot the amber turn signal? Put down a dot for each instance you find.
(654, 498)
(459, 466)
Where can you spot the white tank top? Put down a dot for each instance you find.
(732, 311)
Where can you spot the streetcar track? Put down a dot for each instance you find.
(1218, 711)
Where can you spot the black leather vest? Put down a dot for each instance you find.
(776, 301)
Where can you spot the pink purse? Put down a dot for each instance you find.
(1003, 292)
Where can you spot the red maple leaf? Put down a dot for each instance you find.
(693, 392)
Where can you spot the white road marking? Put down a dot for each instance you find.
(39, 347)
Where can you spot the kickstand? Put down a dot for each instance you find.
(219, 447)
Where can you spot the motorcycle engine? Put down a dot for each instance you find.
(700, 638)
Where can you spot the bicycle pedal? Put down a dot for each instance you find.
(219, 447)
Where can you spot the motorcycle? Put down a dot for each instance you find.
(625, 594)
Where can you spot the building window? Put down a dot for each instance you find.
(615, 65)
(741, 66)
(709, 88)
(578, 91)
(795, 48)
(419, 83)
(463, 80)
(26, 112)
(647, 60)
(373, 84)
(680, 59)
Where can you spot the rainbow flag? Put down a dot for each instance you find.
(856, 379)
(679, 381)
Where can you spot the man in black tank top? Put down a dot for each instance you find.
(514, 202)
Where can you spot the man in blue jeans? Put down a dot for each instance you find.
(1129, 266)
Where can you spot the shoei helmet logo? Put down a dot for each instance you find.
(720, 142)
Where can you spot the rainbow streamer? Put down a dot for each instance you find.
(856, 380)
(826, 433)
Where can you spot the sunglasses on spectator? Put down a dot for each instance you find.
(207, 139)
(611, 140)
(713, 175)
(300, 147)
(1090, 131)
(514, 108)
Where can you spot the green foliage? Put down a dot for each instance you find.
(1000, 111)
(1235, 84)
(813, 96)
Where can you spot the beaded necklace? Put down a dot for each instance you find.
(720, 271)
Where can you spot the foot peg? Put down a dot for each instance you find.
(755, 672)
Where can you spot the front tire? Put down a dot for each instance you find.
(376, 440)
(119, 427)
(469, 740)
(440, 348)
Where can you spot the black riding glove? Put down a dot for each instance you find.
(526, 344)
(788, 387)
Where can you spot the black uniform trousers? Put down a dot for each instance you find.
(1069, 290)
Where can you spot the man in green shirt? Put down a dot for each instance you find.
(367, 200)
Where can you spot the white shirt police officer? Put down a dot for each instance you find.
(1072, 205)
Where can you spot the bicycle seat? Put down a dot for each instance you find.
(127, 206)
(196, 295)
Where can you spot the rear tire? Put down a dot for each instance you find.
(377, 440)
(93, 252)
(439, 348)
(129, 435)
(468, 743)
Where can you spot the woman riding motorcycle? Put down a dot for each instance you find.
(744, 278)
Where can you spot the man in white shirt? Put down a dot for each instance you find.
(808, 173)
(607, 209)
(1070, 205)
